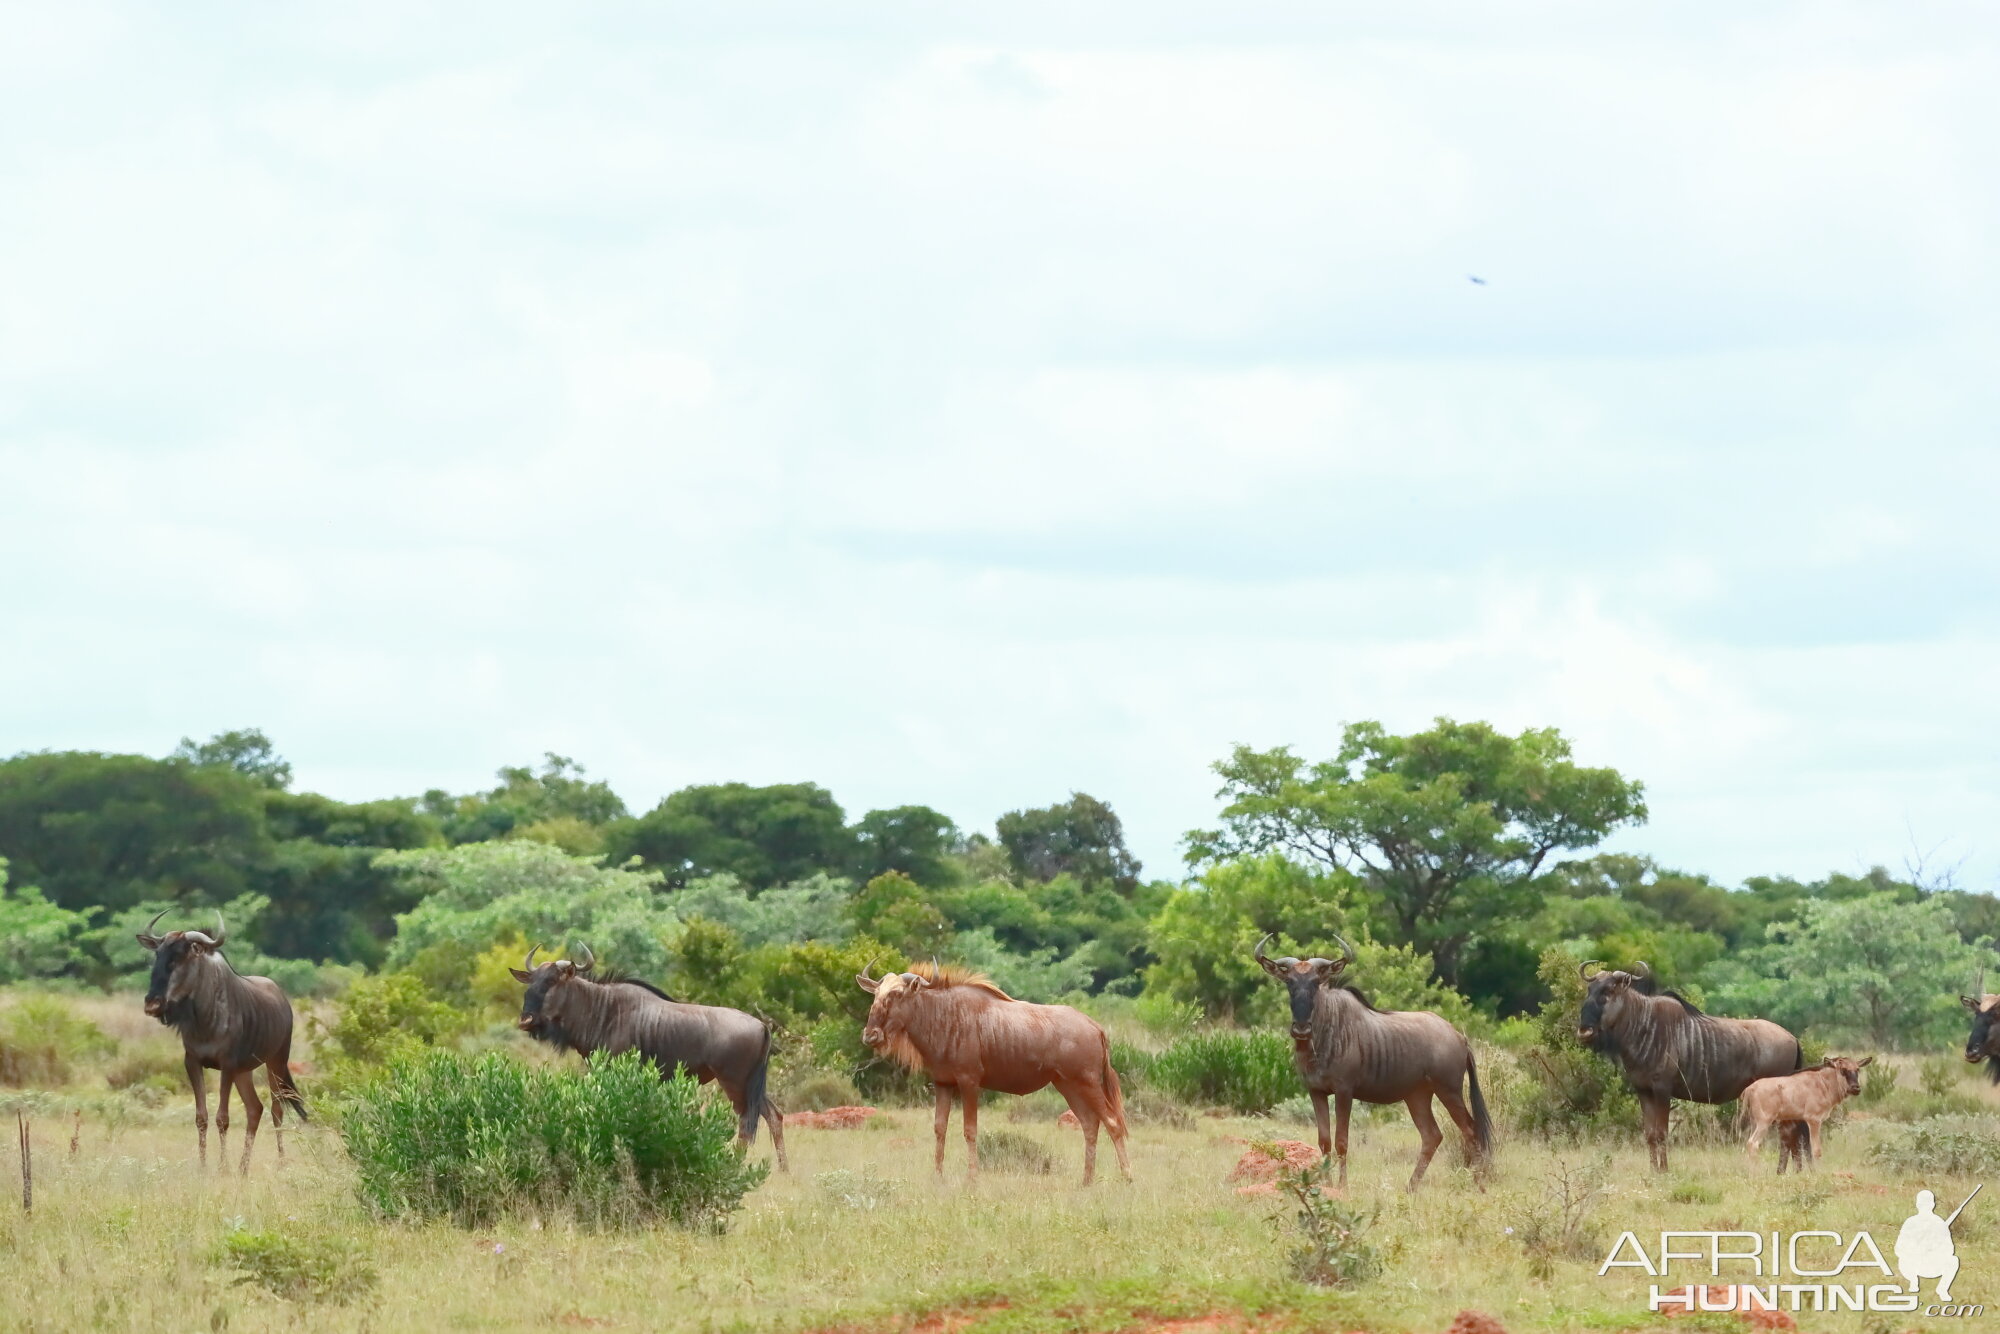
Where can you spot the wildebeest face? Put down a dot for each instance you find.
(889, 1014)
(1851, 1069)
(1983, 1042)
(1303, 978)
(178, 957)
(542, 1004)
(1605, 1000)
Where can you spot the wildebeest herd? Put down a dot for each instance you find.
(968, 1035)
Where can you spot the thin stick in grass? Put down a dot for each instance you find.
(27, 1165)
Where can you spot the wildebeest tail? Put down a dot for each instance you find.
(284, 1086)
(1482, 1124)
(1114, 1096)
(753, 1093)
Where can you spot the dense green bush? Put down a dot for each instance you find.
(1248, 1072)
(298, 1268)
(1956, 1146)
(383, 1019)
(1568, 1091)
(471, 1140)
(43, 1039)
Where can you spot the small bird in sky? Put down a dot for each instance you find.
(1477, 279)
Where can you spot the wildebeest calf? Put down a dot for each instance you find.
(1807, 1095)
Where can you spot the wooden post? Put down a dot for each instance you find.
(27, 1165)
(76, 1132)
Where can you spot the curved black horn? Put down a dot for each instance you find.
(528, 965)
(1640, 968)
(1583, 969)
(1345, 948)
(589, 959)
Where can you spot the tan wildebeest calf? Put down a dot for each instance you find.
(967, 1035)
(1806, 1095)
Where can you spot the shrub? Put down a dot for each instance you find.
(299, 1268)
(1569, 1092)
(153, 1063)
(1946, 1146)
(862, 1190)
(42, 1040)
(1133, 1064)
(1329, 1248)
(817, 1090)
(1248, 1072)
(472, 1140)
(1011, 1151)
(382, 1019)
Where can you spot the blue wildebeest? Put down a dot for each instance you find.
(1347, 1049)
(1983, 1042)
(1668, 1049)
(228, 1023)
(567, 1009)
(1802, 1098)
(967, 1035)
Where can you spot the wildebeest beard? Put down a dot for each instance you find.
(175, 1014)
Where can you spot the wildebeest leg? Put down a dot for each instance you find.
(253, 1112)
(1320, 1122)
(276, 1083)
(1653, 1109)
(1816, 1146)
(941, 1122)
(1343, 1105)
(1756, 1142)
(1454, 1107)
(198, 1080)
(969, 1094)
(776, 1120)
(1427, 1126)
(225, 1078)
(1087, 1121)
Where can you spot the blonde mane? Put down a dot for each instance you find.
(951, 975)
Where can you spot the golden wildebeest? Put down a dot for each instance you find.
(1807, 1096)
(228, 1023)
(1668, 1049)
(967, 1035)
(1345, 1047)
(566, 1009)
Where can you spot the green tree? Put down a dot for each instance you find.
(1081, 837)
(556, 804)
(1446, 828)
(1205, 935)
(1873, 969)
(914, 840)
(764, 836)
(248, 751)
(895, 910)
(37, 939)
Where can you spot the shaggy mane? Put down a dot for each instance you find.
(1646, 986)
(951, 975)
(643, 986)
(1358, 994)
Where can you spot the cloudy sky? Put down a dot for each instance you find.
(966, 405)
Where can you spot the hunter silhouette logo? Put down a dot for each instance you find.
(1924, 1248)
(1814, 1270)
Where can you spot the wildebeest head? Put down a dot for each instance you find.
(1983, 1042)
(896, 996)
(1851, 1068)
(1303, 978)
(546, 999)
(177, 957)
(1606, 998)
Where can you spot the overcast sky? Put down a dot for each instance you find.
(964, 409)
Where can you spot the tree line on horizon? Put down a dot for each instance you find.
(1454, 857)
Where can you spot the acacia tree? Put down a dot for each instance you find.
(1446, 828)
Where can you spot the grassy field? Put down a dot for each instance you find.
(127, 1233)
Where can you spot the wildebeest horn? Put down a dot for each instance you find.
(528, 965)
(589, 959)
(1260, 946)
(152, 942)
(1583, 969)
(862, 976)
(221, 931)
(1640, 968)
(1346, 949)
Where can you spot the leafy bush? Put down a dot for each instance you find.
(43, 1039)
(1329, 1248)
(1249, 1072)
(299, 1268)
(1013, 1152)
(158, 1064)
(382, 1019)
(471, 1140)
(37, 938)
(817, 1090)
(1569, 1092)
(1945, 1146)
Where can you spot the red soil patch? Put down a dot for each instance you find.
(1069, 1119)
(1476, 1322)
(1258, 1165)
(833, 1118)
(1731, 1297)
